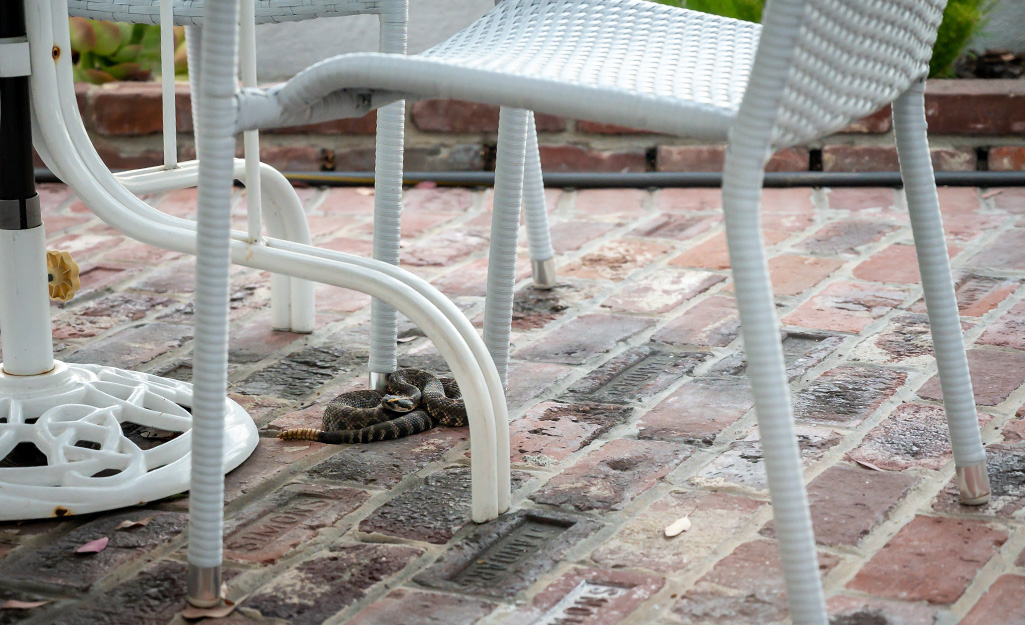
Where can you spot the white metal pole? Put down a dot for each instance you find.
(167, 83)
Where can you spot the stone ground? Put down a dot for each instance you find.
(630, 411)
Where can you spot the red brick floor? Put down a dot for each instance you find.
(630, 411)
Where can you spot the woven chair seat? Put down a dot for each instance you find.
(190, 12)
(635, 60)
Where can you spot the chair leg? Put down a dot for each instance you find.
(505, 225)
(542, 257)
(391, 125)
(767, 373)
(941, 303)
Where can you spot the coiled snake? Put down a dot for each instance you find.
(416, 400)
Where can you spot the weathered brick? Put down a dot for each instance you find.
(915, 435)
(895, 264)
(569, 236)
(930, 559)
(745, 588)
(995, 375)
(742, 465)
(268, 530)
(845, 237)
(502, 557)
(571, 157)
(299, 373)
(535, 308)
(134, 108)
(801, 352)
(849, 502)
(906, 341)
(152, 598)
(876, 123)
(845, 307)
(550, 431)
(1006, 158)
(711, 158)
(608, 478)
(661, 291)
(856, 158)
(1008, 330)
(792, 274)
(57, 563)
(583, 338)
(1006, 467)
(688, 200)
(384, 464)
(976, 294)
(592, 596)
(677, 226)
(846, 396)
(616, 260)
(613, 203)
(1003, 253)
(1001, 603)
(715, 519)
(445, 248)
(635, 375)
(975, 107)
(464, 116)
(432, 512)
(330, 581)
(528, 380)
(844, 610)
(697, 411)
(133, 347)
(863, 200)
(404, 606)
(713, 322)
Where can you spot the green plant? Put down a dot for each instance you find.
(962, 20)
(107, 51)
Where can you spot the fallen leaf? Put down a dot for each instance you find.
(406, 339)
(127, 523)
(14, 604)
(365, 191)
(218, 611)
(94, 546)
(991, 193)
(867, 465)
(678, 527)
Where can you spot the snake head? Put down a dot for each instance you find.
(397, 403)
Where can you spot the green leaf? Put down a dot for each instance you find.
(108, 38)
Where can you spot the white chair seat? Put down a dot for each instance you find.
(640, 64)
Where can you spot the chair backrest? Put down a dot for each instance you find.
(850, 57)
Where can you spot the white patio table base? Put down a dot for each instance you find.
(76, 416)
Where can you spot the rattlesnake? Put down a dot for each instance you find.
(415, 402)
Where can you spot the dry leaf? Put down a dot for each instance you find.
(365, 191)
(862, 463)
(14, 604)
(406, 339)
(218, 611)
(992, 193)
(678, 527)
(127, 523)
(94, 546)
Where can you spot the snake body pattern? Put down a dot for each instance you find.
(416, 400)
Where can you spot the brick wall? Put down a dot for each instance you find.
(974, 124)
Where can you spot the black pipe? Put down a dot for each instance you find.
(586, 180)
(19, 204)
(672, 179)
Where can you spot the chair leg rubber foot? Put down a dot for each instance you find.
(203, 584)
(544, 273)
(973, 484)
(377, 381)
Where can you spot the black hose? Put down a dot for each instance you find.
(588, 180)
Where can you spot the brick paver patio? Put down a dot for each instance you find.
(630, 411)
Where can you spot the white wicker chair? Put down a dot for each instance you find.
(296, 312)
(815, 66)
